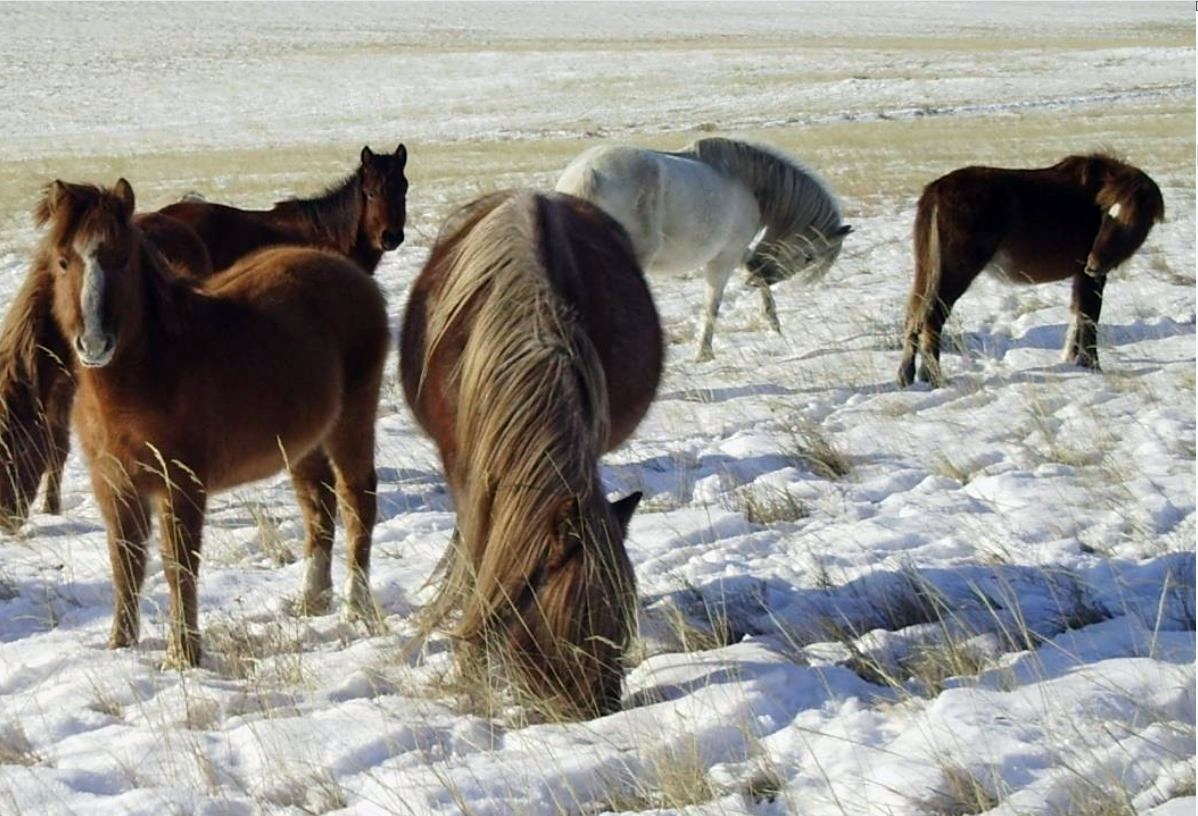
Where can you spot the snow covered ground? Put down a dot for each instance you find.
(855, 599)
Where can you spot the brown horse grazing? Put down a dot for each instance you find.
(36, 383)
(1078, 219)
(531, 346)
(360, 217)
(186, 389)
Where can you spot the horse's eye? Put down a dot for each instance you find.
(369, 195)
(63, 264)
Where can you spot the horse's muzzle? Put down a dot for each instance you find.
(390, 239)
(95, 352)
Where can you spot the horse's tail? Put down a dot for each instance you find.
(33, 357)
(925, 288)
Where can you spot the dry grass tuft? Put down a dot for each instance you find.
(767, 505)
(15, 748)
(809, 447)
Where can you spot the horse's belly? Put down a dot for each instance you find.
(1013, 268)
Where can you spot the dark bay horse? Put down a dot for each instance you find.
(187, 388)
(530, 346)
(360, 217)
(1078, 219)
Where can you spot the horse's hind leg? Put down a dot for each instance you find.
(314, 482)
(350, 446)
(1081, 344)
(953, 281)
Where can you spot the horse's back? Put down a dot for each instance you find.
(317, 294)
(228, 233)
(603, 284)
(179, 244)
(589, 263)
(1032, 225)
(679, 212)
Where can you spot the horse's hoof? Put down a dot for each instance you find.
(370, 616)
(704, 356)
(179, 657)
(122, 637)
(932, 378)
(314, 604)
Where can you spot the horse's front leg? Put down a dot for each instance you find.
(181, 511)
(58, 421)
(127, 519)
(1081, 342)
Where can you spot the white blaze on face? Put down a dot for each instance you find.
(1114, 211)
(91, 296)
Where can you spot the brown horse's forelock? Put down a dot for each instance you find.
(1117, 182)
(532, 414)
(1137, 195)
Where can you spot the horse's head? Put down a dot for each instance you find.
(1130, 203)
(93, 250)
(384, 191)
(572, 624)
(809, 254)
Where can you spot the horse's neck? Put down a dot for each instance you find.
(365, 255)
(326, 222)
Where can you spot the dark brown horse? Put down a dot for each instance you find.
(1078, 219)
(189, 388)
(531, 346)
(360, 218)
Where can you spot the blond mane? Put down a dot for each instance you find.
(528, 380)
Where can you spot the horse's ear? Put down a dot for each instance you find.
(123, 192)
(53, 197)
(367, 156)
(624, 508)
(401, 155)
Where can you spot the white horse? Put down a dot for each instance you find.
(704, 206)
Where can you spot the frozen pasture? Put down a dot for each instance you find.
(854, 599)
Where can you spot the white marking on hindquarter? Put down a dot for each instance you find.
(1114, 211)
(91, 295)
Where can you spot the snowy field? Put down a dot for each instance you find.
(854, 599)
